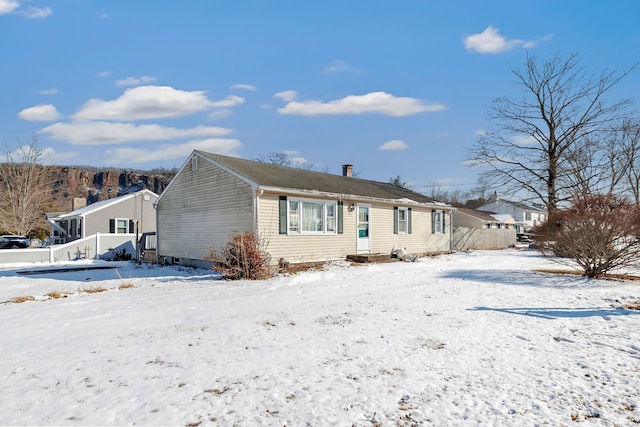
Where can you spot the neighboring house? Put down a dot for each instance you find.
(128, 214)
(473, 229)
(527, 216)
(300, 215)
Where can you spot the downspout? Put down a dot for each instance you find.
(451, 248)
(256, 211)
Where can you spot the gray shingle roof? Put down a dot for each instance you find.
(266, 174)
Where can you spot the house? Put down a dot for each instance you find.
(473, 229)
(128, 214)
(527, 216)
(300, 215)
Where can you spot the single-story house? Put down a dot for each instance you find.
(128, 214)
(473, 229)
(300, 215)
(526, 216)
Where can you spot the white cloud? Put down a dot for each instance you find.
(40, 113)
(104, 74)
(103, 15)
(52, 91)
(286, 95)
(135, 81)
(51, 156)
(524, 140)
(220, 114)
(145, 102)
(8, 6)
(298, 161)
(490, 41)
(172, 151)
(393, 145)
(374, 102)
(340, 67)
(229, 101)
(36, 12)
(101, 133)
(243, 87)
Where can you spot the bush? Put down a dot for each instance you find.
(599, 232)
(243, 256)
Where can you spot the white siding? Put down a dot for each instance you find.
(299, 248)
(130, 208)
(200, 209)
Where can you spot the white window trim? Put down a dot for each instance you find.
(324, 204)
(116, 225)
(439, 228)
(405, 220)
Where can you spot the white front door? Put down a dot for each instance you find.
(363, 227)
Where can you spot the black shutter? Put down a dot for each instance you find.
(112, 226)
(409, 220)
(395, 220)
(444, 230)
(433, 222)
(283, 214)
(132, 226)
(340, 216)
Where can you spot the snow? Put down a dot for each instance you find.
(477, 338)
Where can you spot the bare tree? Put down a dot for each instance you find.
(25, 195)
(282, 159)
(543, 143)
(598, 232)
(627, 156)
(397, 181)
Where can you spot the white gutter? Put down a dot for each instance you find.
(316, 193)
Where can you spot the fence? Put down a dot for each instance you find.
(466, 238)
(97, 246)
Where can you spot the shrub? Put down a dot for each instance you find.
(243, 256)
(599, 232)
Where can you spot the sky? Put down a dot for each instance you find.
(467, 339)
(395, 88)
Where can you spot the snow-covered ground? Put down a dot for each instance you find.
(474, 338)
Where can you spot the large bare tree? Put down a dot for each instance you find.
(547, 144)
(25, 195)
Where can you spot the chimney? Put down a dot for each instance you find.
(78, 202)
(347, 170)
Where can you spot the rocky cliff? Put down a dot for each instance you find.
(96, 184)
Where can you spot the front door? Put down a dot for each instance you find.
(363, 227)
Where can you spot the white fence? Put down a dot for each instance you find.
(465, 238)
(97, 246)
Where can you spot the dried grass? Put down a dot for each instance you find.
(94, 289)
(56, 295)
(128, 285)
(19, 300)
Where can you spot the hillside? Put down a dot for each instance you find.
(96, 184)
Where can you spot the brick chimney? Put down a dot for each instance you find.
(347, 170)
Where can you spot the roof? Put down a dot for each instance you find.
(528, 207)
(487, 216)
(270, 175)
(101, 205)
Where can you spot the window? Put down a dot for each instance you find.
(527, 216)
(437, 222)
(402, 220)
(121, 226)
(311, 217)
(194, 163)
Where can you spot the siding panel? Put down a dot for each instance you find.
(200, 209)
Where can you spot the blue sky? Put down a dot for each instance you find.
(392, 87)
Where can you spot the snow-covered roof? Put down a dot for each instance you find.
(102, 204)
